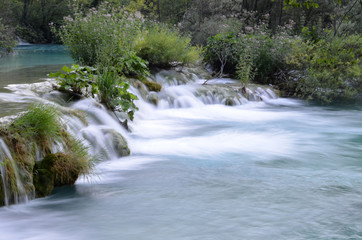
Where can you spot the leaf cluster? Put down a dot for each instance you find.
(76, 79)
(332, 67)
(106, 84)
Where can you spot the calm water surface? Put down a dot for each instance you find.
(276, 170)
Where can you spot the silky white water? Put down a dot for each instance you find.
(280, 169)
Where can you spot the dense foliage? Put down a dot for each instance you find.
(88, 81)
(280, 42)
(161, 46)
(31, 135)
(7, 38)
(330, 70)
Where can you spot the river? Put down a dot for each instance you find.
(279, 169)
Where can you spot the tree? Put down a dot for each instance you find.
(7, 38)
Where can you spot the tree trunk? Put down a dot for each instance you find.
(25, 12)
(158, 10)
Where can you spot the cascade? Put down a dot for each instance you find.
(21, 42)
(18, 196)
(100, 129)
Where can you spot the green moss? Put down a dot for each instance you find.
(26, 136)
(56, 170)
(2, 197)
(43, 182)
(152, 86)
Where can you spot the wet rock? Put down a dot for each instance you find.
(44, 176)
(118, 142)
(230, 102)
(140, 87)
(153, 98)
(152, 86)
(55, 170)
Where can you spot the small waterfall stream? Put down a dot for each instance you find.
(101, 130)
(212, 161)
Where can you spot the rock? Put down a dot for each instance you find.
(140, 87)
(44, 176)
(118, 142)
(43, 180)
(230, 102)
(55, 170)
(152, 86)
(153, 98)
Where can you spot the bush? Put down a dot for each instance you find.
(107, 84)
(7, 38)
(331, 67)
(162, 46)
(222, 52)
(250, 52)
(114, 93)
(104, 37)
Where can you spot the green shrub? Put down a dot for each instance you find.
(249, 52)
(7, 38)
(162, 46)
(223, 52)
(107, 84)
(104, 37)
(76, 78)
(114, 93)
(331, 68)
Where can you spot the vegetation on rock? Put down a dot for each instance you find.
(30, 136)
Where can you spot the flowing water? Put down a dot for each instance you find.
(278, 169)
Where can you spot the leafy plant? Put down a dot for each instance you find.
(134, 65)
(76, 78)
(102, 38)
(223, 51)
(114, 93)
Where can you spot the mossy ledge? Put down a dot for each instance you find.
(29, 166)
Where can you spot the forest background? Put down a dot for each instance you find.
(308, 48)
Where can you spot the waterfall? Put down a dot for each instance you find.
(21, 42)
(20, 195)
(100, 130)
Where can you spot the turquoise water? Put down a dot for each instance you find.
(30, 63)
(32, 55)
(276, 170)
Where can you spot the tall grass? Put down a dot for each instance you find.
(39, 123)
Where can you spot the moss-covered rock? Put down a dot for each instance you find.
(55, 170)
(152, 86)
(44, 176)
